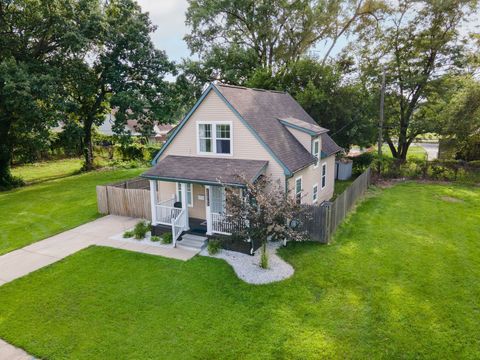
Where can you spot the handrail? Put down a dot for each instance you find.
(177, 226)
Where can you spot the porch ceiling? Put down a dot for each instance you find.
(205, 170)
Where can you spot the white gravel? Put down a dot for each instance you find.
(248, 269)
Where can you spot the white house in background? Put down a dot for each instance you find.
(160, 131)
(234, 131)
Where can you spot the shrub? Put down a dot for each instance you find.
(167, 238)
(361, 162)
(128, 234)
(214, 246)
(141, 229)
(155, 238)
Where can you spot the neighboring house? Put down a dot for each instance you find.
(234, 131)
(160, 131)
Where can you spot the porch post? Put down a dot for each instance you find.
(208, 215)
(153, 201)
(185, 205)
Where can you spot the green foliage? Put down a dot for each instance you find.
(140, 230)
(155, 238)
(128, 234)
(362, 162)
(167, 238)
(214, 246)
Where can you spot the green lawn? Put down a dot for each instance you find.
(401, 280)
(47, 170)
(35, 212)
(414, 152)
(341, 186)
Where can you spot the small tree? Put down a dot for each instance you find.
(267, 211)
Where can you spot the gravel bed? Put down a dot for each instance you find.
(248, 269)
(145, 241)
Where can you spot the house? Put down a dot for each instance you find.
(234, 131)
(160, 131)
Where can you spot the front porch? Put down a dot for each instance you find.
(188, 193)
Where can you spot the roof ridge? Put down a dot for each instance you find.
(251, 88)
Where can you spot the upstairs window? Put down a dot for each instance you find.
(316, 150)
(324, 175)
(214, 138)
(315, 193)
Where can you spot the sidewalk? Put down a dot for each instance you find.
(23, 261)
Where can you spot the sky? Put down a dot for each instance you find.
(169, 17)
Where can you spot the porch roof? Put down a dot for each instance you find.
(205, 170)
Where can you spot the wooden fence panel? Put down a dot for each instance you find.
(324, 219)
(124, 201)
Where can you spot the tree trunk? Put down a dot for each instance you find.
(7, 181)
(88, 145)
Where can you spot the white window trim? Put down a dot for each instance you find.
(314, 199)
(319, 151)
(301, 188)
(321, 175)
(178, 189)
(214, 137)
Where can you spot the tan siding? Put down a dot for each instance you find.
(302, 137)
(311, 176)
(168, 190)
(245, 145)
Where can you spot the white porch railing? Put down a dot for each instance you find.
(178, 225)
(166, 212)
(225, 224)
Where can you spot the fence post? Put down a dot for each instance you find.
(327, 214)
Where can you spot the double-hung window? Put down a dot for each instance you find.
(315, 193)
(298, 190)
(316, 150)
(189, 193)
(215, 138)
(324, 175)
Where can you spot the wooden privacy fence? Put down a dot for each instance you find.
(127, 198)
(321, 221)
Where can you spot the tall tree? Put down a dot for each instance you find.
(35, 36)
(276, 33)
(417, 42)
(119, 69)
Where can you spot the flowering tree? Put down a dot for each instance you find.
(269, 213)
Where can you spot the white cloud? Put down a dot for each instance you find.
(169, 17)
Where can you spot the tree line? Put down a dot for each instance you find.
(73, 61)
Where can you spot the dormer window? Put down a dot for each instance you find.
(215, 138)
(316, 150)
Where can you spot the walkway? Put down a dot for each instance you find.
(23, 261)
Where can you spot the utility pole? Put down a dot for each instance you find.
(380, 123)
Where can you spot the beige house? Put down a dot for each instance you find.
(234, 131)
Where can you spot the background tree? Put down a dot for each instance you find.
(416, 42)
(120, 69)
(339, 103)
(34, 39)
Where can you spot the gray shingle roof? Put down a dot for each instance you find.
(206, 170)
(329, 147)
(297, 123)
(261, 109)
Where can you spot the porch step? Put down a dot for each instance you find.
(192, 241)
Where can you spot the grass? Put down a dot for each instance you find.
(38, 211)
(400, 280)
(47, 170)
(414, 152)
(341, 186)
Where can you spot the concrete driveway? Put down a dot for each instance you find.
(23, 261)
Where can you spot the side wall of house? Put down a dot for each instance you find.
(302, 137)
(245, 144)
(313, 175)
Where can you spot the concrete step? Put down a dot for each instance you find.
(194, 237)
